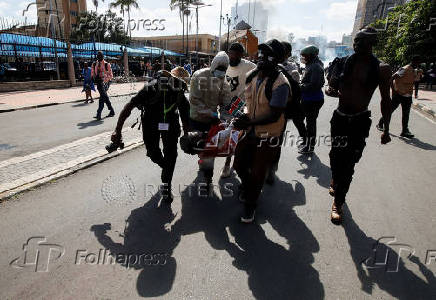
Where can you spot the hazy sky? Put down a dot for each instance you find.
(302, 17)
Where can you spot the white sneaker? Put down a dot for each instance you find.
(226, 172)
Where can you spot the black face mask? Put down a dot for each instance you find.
(266, 62)
(234, 63)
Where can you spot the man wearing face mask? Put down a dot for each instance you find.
(209, 93)
(266, 94)
(312, 97)
(102, 74)
(351, 121)
(236, 75)
(160, 102)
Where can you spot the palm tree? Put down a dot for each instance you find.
(182, 5)
(95, 2)
(125, 5)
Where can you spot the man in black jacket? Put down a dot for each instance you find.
(160, 101)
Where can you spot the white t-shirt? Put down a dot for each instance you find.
(237, 76)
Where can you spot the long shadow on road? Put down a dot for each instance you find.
(380, 263)
(274, 271)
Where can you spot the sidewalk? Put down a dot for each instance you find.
(426, 103)
(24, 100)
(21, 173)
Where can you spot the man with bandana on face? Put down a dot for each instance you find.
(264, 123)
(236, 76)
(351, 121)
(160, 102)
(209, 92)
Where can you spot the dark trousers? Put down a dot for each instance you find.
(416, 88)
(253, 159)
(167, 159)
(104, 98)
(406, 104)
(207, 164)
(348, 141)
(311, 112)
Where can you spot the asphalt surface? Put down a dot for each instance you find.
(203, 252)
(27, 131)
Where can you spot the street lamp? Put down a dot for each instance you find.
(198, 5)
(227, 20)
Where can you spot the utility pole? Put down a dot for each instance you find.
(229, 21)
(183, 26)
(221, 17)
(54, 43)
(254, 12)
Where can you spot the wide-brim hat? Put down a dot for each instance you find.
(180, 73)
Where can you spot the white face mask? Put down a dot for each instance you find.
(219, 74)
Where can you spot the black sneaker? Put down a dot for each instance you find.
(380, 127)
(407, 134)
(98, 118)
(168, 198)
(248, 216)
(111, 114)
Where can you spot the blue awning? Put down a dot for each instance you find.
(22, 45)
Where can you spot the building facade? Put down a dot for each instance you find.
(57, 18)
(205, 43)
(369, 11)
(244, 37)
(255, 15)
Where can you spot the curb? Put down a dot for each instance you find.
(54, 103)
(425, 111)
(6, 195)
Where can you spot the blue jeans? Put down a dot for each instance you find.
(104, 98)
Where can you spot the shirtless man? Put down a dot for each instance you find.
(351, 121)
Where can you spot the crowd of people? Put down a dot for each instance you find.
(273, 94)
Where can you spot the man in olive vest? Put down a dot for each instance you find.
(402, 91)
(263, 123)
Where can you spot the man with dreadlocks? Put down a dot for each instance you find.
(351, 121)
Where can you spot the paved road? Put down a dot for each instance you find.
(27, 131)
(202, 252)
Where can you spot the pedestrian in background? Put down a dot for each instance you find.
(102, 74)
(431, 75)
(88, 83)
(418, 77)
(312, 96)
(402, 91)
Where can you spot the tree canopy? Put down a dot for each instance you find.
(106, 28)
(407, 32)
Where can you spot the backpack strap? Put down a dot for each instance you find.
(251, 76)
(270, 83)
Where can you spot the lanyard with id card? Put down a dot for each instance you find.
(165, 126)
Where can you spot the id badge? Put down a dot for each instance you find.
(164, 126)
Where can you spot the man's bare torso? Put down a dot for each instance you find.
(355, 93)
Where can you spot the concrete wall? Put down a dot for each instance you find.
(33, 85)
